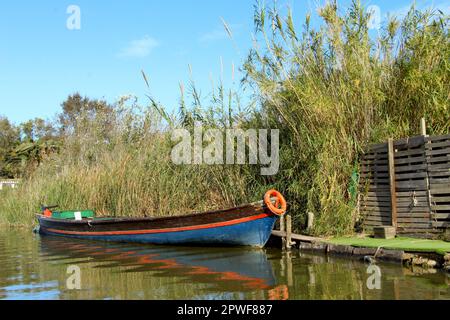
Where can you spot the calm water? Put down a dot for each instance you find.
(35, 267)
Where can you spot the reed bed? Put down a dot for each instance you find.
(330, 91)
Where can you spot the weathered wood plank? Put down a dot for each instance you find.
(375, 169)
(374, 175)
(372, 198)
(373, 162)
(371, 155)
(375, 188)
(439, 173)
(440, 207)
(419, 199)
(400, 203)
(438, 138)
(419, 214)
(442, 144)
(411, 193)
(399, 194)
(411, 152)
(411, 185)
(411, 168)
(373, 210)
(440, 224)
(438, 151)
(439, 159)
(413, 209)
(373, 180)
(415, 160)
(441, 216)
(400, 220)
(377, 203)
(415, 225)
(440, 189)
(441, 180)
(439, 199)
(414, 175)
(414, 231)
(294, 236)
(410, 142)
(439, 166)
(410, 204)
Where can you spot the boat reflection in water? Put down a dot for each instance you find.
(133, 271)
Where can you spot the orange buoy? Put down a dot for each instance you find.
(47, 213)
(280, 205)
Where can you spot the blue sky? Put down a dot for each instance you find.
(42, 61)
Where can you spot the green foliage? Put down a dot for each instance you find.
(125, 171)
(76, 106)
(333, 90)
(330, 91)
(9, 138)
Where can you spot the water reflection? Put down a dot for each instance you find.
(230, 269)
(34, 267)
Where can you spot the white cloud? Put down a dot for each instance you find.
(139, 48)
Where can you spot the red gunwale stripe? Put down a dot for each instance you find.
(149, 231)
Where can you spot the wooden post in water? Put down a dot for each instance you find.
(392, 182)
(288, 231)
(283, 230)
(290, 278)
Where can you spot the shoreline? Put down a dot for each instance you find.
(428, 254)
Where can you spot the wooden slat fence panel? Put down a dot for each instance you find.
(422, 186)
(375, 204)
(438, 159)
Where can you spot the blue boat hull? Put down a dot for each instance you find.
(249, 233)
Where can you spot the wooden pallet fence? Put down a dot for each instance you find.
(406, 183)
(437, 151)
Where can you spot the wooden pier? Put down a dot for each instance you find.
(409, 252)
(288, 238)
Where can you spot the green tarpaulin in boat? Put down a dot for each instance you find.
(71, 214)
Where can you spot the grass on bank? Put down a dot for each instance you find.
(399, 243)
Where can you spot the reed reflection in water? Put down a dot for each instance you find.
(34, 267)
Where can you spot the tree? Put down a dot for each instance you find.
(37, 129)
(9, 139)
(76, 106)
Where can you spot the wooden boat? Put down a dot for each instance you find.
(247, 225)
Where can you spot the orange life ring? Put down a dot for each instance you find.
(280, 205)
(47, 213)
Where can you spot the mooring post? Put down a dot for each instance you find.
(423, 128)
(288, 231)
(423, 132)
(310, 222)
(283, 230)
(391, 159)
